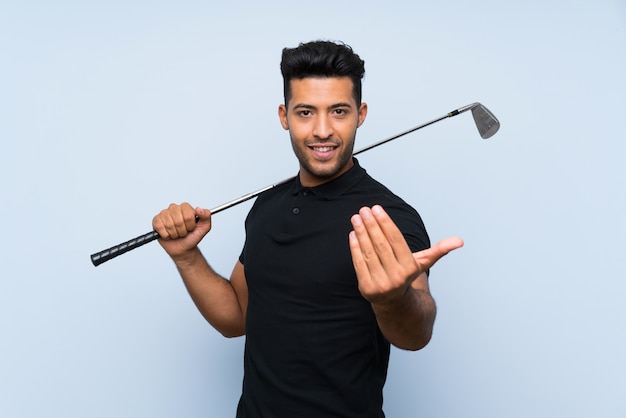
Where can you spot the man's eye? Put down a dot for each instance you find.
(340, 111)
(305, 113)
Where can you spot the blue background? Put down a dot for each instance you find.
(109, 111)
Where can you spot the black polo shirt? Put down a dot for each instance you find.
(313, 347)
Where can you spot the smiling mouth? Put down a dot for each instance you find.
(323, 149)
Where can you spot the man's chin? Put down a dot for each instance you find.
(323, 172)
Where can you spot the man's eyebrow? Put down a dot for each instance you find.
(340, 104)
(303, 106)
(333, 106)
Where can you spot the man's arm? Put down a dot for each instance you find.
(222, 302)
(393, 279)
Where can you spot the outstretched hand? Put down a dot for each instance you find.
(383, 261)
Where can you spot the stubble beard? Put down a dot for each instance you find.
(329, 170)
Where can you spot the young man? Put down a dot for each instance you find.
(334, 266)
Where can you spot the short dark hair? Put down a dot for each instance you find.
(321, 59)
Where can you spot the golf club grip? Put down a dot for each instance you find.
(119, 249)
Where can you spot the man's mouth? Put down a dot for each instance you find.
(323, 152)
(323, 149)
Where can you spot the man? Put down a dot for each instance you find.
(334, 266)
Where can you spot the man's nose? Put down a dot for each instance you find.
(323, 127)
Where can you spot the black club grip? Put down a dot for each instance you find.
(119, 249)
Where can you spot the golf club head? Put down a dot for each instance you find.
(486, 122)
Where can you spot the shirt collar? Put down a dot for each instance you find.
(335, 187)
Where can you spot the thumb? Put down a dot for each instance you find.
(428, 257)
(448, 244)
(202, 215)
(203, 219)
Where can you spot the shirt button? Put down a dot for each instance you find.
(295, 211)
(306, 192)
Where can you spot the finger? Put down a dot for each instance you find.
(393, 236)
(167, 217)
(182, 216)
(363, 234)
(189, 218)
(159, 225)
(376, 236)
(427, 258)
(360, 266)
(175, 221)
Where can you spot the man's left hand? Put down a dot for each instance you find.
(383, 261)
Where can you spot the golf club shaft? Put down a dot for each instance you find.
(106, 255)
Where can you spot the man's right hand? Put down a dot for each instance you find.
(178, 229)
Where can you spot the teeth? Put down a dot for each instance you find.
(323, 149)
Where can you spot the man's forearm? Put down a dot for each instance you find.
(408, 323)
(212, 294)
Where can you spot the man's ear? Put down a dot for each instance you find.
(282, 115)
(362, 113)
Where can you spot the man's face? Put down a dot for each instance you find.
(322, 117)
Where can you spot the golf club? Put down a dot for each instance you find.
(486, 123)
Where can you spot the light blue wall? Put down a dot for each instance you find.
(111, 110)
